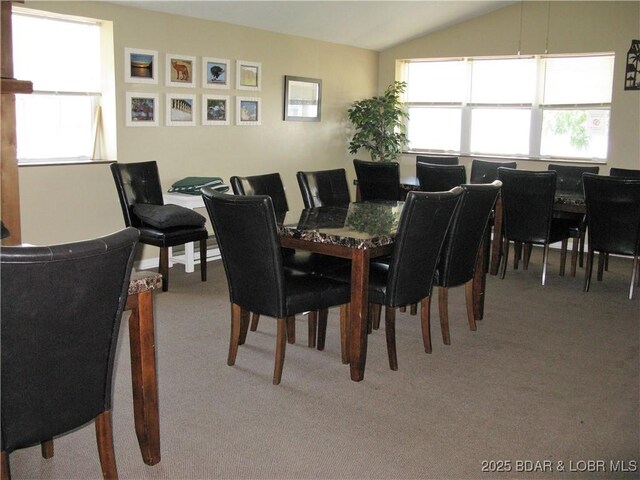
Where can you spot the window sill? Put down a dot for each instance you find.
(62, 162)
(594, 161)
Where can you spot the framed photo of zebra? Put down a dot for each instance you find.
(180, 71)
(181, 110)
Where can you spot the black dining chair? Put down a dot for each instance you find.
(613, 220)
(406, 278)
(324, 188)
(569, 184)
(438, 159)
(462, 245)
(163, 226)
(624, 172)
(61, 312)
(245, 227)
(377, 180)
(528, 198)
(440, 178)
(484, 171)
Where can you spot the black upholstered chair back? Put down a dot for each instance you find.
(136, 183)
(486, 172)
(613, 213)
(245, 227)
(462, 243)
(569, 178)
(61, 311)
(528, 198)
(624, 172)
(324, 188)
(268, 184)
(378, 180)
(423, 225)
(438, 159)
(440, 178)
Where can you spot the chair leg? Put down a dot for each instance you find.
(545, 258)
(255, 318)
(244, 326)
(563, 256)
(526, 256)
(236, 313)
(606, 262)
(470, 298)
(375, 312)
(281, 345)
(47, 448)
(506, 257)
(588, 269)
(390, 331)
(601, 265)
(322, 327)
(291, 329)
(414, 309)
(425, 320)
(345, 324)
(312, 320)
(517, 254)
(5, 469)
(634, 274)
(104, 436)
(574, 255)
(443, 310)
(163, 267)
(203, 259)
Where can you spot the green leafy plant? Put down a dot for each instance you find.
(379, 124)
(572, 123)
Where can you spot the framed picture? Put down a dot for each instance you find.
(248, 75)
(142, 109)
(215, 72)
(180, 71)
(302, 99)
(248, 111)
(215, 109)
(140, 66)
(181, 110)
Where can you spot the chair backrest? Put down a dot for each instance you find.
(324, 188)
(61, 311)
(422, 227)
(569, 178)
(268, 184)
(378, 180)
(136, 183)
(624, 172)
(438, 159)
(245, 227)
(527, 198)
(613, 213)
(483, 171)
(440, 178)
(461, 245)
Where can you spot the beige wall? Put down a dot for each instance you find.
(64, 203)
(574, 27)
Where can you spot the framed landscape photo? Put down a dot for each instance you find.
(215, 109)
(142, 109)
(215, 72)
(248, 75)
(140, 66)
(248, 111)
(180, 71)
(302, 99)
(181, 110)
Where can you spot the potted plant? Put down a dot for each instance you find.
(379, 124)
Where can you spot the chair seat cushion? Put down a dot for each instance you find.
(168, 216)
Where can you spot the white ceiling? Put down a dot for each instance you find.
(375, 25)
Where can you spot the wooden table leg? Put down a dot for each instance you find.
(143, 375)
(497, 237)
(359, 312)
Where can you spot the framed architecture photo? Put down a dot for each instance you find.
(215, 109)
(142, 109)
(248, 75)
(140, 66)
(302, 99)
(248, 111)
(180, 71)
(181, 110)
(215, 72)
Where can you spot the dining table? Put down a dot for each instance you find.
(358, 231)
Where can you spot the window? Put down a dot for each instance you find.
(59, 120)
(539, 106)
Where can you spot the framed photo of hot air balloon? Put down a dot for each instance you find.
(216, 72)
